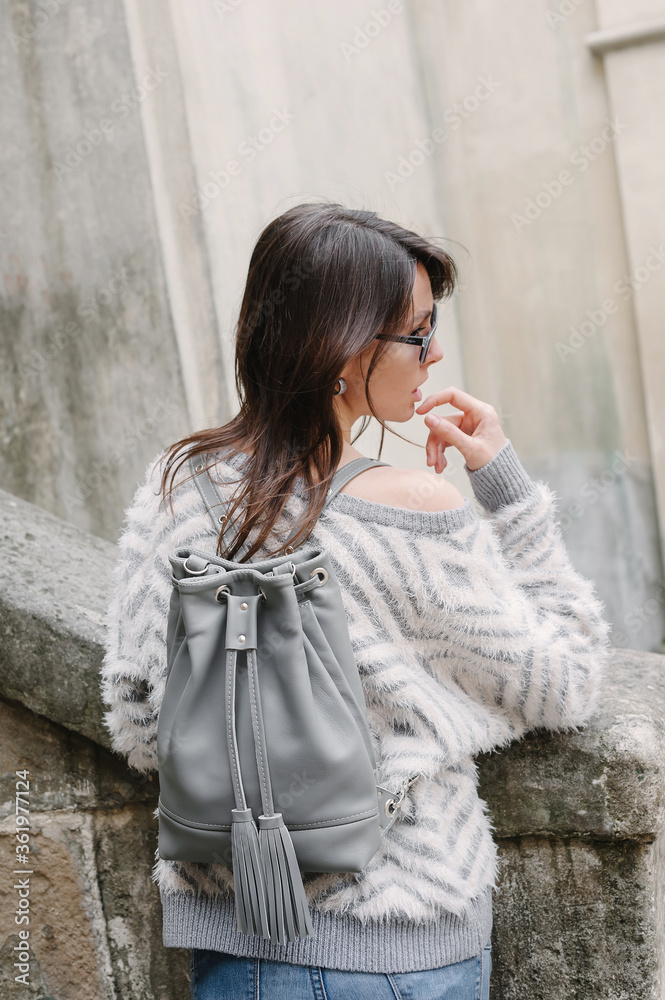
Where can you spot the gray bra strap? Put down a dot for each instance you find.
(214, 504)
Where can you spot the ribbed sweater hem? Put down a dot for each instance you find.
(339, 942)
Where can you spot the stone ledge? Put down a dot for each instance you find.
(54, 586)
(605, 782)
(68, 772)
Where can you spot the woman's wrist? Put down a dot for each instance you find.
(500, 481)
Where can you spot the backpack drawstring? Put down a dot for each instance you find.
(270, 896)
(248, 880)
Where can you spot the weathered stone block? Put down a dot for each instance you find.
(54, 588)
(94, 914)
(575, 920)
(125, 842)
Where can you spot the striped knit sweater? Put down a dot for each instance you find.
(470, 627)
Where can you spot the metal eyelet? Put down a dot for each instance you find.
(195, 572)
(390, 807)
(320, 569)
(221, 590)
(289, 550)
(199, 468)
(221, 518)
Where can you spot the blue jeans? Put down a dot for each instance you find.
(218, 976)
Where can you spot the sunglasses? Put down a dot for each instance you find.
(423, 342)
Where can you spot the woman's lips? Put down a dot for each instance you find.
(417, 393)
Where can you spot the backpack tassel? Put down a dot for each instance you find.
(288, 912)
(248, 880)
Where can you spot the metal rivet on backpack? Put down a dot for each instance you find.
(243, 606)
(241, 638)
(198, 468)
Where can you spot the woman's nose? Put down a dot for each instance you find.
(435, 352)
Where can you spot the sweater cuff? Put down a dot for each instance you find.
(502, 480)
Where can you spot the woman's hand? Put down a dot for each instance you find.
(476, 432)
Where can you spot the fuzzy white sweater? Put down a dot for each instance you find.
(470, 627)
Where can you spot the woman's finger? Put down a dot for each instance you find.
(445, 429)
(474, 411)
(433, 439)
(462, 400)
(436, 455)
(478, 447)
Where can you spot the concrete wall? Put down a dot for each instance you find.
(532, 179)
(95, 916)
(633, 61)
(93, 380)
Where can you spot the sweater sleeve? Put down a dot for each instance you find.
(541, 651)
(135, 639)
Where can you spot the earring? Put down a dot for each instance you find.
(342, 387)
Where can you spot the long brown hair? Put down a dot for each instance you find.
(323, 280)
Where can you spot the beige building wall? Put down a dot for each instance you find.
(540, 181)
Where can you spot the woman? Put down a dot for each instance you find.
(469, 624)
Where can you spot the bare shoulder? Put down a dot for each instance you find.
(413, 489)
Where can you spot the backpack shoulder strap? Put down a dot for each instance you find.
(209, 493)
(214, 504)
(212, 498)
(347, 472)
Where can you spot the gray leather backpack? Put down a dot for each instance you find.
(263, 718)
